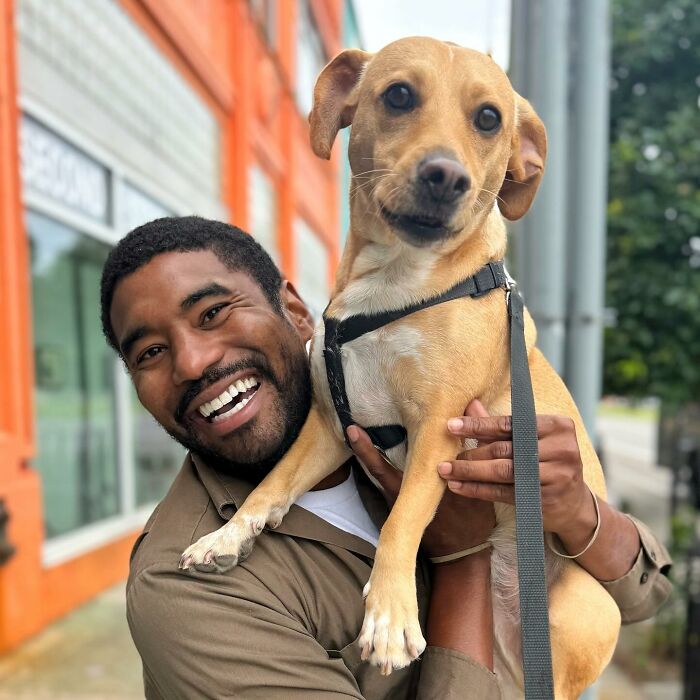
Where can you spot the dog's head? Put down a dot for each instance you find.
(438, 135)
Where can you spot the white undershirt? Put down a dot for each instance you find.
(342, 507)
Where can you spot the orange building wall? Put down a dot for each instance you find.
(220, 50)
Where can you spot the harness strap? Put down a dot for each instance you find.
(491, 276)
(532, 581)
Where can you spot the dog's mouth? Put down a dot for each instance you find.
(421, 228)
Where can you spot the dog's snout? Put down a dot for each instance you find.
(444, 178)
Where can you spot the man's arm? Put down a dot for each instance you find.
(197, 639)
(458, 661)
(625, 557)
(643, 587)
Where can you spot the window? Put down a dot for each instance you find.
(312, 268)
(262, 203)
(75, 410)
(100, 454)
(311, 58)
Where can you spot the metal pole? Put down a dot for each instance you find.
(518, 72)
(587, 204)
(543, 244)
(547, 220)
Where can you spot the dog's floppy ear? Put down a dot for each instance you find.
(335, 99)
(526, 164)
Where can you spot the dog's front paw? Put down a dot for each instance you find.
(224, 548)
(391, 636)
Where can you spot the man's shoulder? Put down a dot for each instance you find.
(170, 528)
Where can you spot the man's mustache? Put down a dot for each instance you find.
(258, 362)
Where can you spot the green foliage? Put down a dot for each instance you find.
(653, 265)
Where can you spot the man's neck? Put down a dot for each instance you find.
(335, 479)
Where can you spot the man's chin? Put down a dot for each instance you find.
(246, 454)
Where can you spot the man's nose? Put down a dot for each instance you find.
(445, 179)
(192, 356)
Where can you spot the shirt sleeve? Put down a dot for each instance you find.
(645, 587)
(446, 674)
(197, 640)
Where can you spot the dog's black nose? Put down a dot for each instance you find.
(444, 178)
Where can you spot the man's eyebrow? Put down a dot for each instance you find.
(210, 290)
(131, 338)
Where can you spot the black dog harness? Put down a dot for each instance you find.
(534, 610)
(337, 333)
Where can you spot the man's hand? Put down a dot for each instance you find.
(486, 472)
(459, 523)
(568, 509)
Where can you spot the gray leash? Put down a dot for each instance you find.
(532, 582)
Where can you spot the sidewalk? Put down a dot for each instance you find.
(89, 656)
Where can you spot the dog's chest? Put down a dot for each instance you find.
(375, 363)
(369, 368)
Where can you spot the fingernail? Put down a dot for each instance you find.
(353, 433)
(454, 485)
(455, 424)
(445, 468)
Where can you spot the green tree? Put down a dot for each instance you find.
(653, 268)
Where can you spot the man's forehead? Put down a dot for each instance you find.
(166, 281)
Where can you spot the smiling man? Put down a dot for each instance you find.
(215, 343)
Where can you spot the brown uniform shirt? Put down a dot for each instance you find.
(283, 624)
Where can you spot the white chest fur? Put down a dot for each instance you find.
(387, 278)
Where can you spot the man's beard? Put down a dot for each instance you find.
(264, 450)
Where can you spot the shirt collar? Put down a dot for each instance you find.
(228, 492)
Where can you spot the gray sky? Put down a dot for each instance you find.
(477, 24)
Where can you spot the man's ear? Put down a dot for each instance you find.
(526, 164)
(335, 99)
(296, 311)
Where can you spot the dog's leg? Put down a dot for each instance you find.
(584, 625)
(315, 454)
(391, 636)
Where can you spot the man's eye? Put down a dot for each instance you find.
(211, 313)
(149, 354)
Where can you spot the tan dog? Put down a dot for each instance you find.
(440, 141)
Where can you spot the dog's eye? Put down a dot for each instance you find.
(487, 119)
(399, 96)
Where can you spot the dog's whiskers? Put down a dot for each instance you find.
(371, 183)
(495, 194)
(376, 170)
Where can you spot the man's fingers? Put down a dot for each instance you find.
(490, 428)
(499, 471)
(481, 427)
(475, 409)
(387, 475)
(496, 493)
(500, 449)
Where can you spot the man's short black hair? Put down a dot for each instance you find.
(235, 248)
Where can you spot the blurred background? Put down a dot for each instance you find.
(115, 112)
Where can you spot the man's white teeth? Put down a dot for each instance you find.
(238, 387)
(235, 409)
